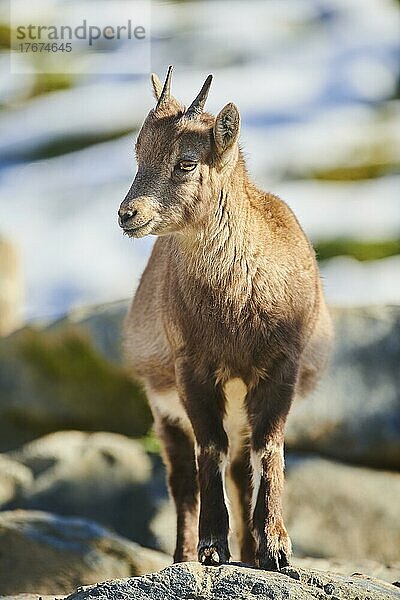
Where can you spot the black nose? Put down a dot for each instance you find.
(125, 215)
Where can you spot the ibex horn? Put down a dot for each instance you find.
(197, 106)
(166, 91)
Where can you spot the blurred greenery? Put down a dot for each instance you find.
(356, 172)
(50, 82)
(85, 377)
(151, 443)
(58, 380)
(374, 158)
(60, 146)
(44, 82)
(361, 250)
(5, 36)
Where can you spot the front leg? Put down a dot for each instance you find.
(204, 402)
(268, 404)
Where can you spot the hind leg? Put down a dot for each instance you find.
(177, 441)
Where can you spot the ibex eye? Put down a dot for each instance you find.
(186, 165)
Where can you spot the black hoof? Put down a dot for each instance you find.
(273, 562)
(213, 553)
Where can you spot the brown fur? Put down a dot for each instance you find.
(231, 290)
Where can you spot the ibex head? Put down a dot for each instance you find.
(183, 157)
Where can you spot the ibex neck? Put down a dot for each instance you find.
(219, 253)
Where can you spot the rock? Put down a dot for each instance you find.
(354, 414)
(57, 379)
(336, 510)
(69, 375)
(10, 288)
(102, 324)
(31, 597)
(42, 553)
(389, 572)
(14, 477)
(192, 580)
(163, 526)
(364, 367)
(369, 568)
(105, 477)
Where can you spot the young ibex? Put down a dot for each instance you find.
(229, 318)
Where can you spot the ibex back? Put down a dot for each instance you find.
(228, 324)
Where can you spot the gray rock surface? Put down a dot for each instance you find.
(337, 510)
(354, 414)
(370, 568)
(14, 478)
(42, 553)
(191, 580)
(31, 597)
(102, 324)
(364, 367)
(104, 477)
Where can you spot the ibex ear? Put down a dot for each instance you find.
(157, 86)
(226, 127)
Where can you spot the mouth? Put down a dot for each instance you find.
(139, 230)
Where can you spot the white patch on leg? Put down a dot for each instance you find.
(235, 420)
(223, 463)
(167, 405)
(257, 469)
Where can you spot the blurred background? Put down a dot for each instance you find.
(317, 83)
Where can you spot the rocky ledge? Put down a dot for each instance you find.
(191, 580)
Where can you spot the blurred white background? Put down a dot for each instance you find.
(317, 83)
